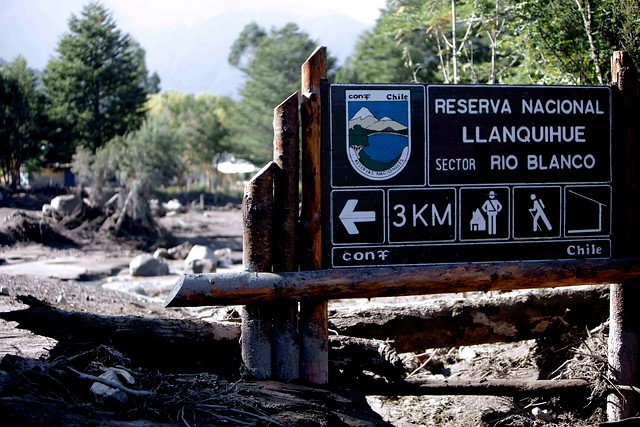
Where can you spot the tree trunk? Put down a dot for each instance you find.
(172, 345)
(457, 321)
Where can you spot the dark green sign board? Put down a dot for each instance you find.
(422, 174)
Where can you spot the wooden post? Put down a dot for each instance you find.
(257, 215)
(286, 151)
(624, 326)
(314, 340)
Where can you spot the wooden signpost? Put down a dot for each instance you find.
(422, 189)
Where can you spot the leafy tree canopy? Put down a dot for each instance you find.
(496, 41)
(201, 124)
(572, 42)
(97, 85)
(271, 63)
(21, 118)
(135, 165)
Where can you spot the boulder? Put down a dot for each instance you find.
(66, 205)
(201, 259)
(147, 265)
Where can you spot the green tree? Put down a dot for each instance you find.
(96, 86)
(153, 83)
(135, 166)
(377, 58)
(21, 118)
(271, 64)
(201, 123)
(454, 38)
(551, 38)
(568, 42)
(497, 41)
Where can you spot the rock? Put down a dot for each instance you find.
(147, 265)
(173, 205)
(224, 257)
(161, 253)
(65, 205)
(181, 251)
(138, 290)
(201, 259)
(542, 414)
(467, 353)
(157, 209)
(4, 291)
(47, 210)
(109, 396)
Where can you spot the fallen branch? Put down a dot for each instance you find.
(268, 420)
(629, 422)
(351, 356)
(112, 384)
(488, 387)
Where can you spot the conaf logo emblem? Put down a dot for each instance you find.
(378, 142)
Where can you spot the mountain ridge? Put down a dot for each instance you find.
(367, 120)
(194, 59)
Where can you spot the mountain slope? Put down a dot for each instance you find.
(367, 120)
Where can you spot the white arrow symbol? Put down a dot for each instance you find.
(349, 217)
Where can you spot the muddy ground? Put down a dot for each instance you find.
(78, 273)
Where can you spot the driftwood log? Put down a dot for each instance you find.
(183, 346)
(168, 344)
(452, 322)
(180, 345)
(368, 338)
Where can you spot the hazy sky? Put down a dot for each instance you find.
(33, 27)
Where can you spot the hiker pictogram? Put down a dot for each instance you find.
(538, 214)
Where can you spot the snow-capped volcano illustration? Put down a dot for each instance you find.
(368, 121)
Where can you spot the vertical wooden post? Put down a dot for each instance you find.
(286, 151)
(257, 216)
(314, 339)
(624, 325)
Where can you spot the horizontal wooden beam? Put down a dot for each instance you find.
(243, 287)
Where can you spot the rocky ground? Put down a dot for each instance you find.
(70, 276)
